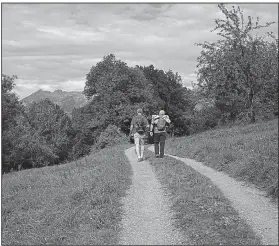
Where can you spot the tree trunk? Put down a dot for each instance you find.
(252, 115)
(222, 120)
(172, 133)
(251, 109)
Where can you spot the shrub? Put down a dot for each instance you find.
(205, 119)
(111, 136)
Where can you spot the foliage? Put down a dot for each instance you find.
(111, 136)
(238, 68)
(238, 73)
(11, 107)
(205, 119)
(170, 95)
(53, 124)
(36, 136)
(29, 148)
(84, 139)
(118, 91)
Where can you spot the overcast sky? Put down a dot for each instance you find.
(53, 46)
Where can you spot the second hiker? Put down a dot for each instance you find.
(139, 125)
(159, 122)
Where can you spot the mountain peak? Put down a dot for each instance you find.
(40, 91)
(66, 100)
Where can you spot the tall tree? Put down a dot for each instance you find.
(11, 109)
(118, 91)
(235, 66)
(11, 106)
(170, 95)
(53, 124)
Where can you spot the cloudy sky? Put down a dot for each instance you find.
(53, 46)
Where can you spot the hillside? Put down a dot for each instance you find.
(87, 205)
(77, 203)
(248, 153)
(66, 100)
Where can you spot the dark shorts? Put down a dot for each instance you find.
(160, 137)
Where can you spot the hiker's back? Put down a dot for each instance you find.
(140, 124)
(160, 123)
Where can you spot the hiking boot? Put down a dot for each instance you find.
(139, 159)
(157, 156)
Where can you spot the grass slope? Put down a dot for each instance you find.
(202, 213)
(75, 203)
(247, 153)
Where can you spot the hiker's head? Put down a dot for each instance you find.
(161, 113)
(139, 111)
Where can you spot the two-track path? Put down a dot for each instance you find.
(251, 204)
(147, 218)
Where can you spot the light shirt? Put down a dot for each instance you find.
(155, 119)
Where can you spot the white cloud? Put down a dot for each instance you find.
(11, 43)
(86, 61)
(73, 85)
(25, 87)
(52, 30)
(55, 45)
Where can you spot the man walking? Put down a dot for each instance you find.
(139, 124)
(159, 123)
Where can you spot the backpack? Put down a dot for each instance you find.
(161, 124)
(140, 125)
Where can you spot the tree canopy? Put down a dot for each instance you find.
(236, 69)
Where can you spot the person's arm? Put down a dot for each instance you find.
(151, 128)
(146, 123)
(167, 119)
(131, 127)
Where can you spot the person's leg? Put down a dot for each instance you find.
(156, 143)
(162, 144)
(137, 139)
(141, 147)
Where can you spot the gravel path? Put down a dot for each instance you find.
(251, 204)
(147, 219)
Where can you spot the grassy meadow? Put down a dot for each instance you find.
(79, 202)
(248, 153)
(75, 203)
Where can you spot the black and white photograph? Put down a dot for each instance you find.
(139, 123)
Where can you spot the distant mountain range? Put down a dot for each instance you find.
(66, 100)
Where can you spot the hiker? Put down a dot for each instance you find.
(139, 124)
(159, 123)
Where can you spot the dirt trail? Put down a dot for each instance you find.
(147, 218)
(251, 204)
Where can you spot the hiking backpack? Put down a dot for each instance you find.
(140, 126)
(161, 124)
